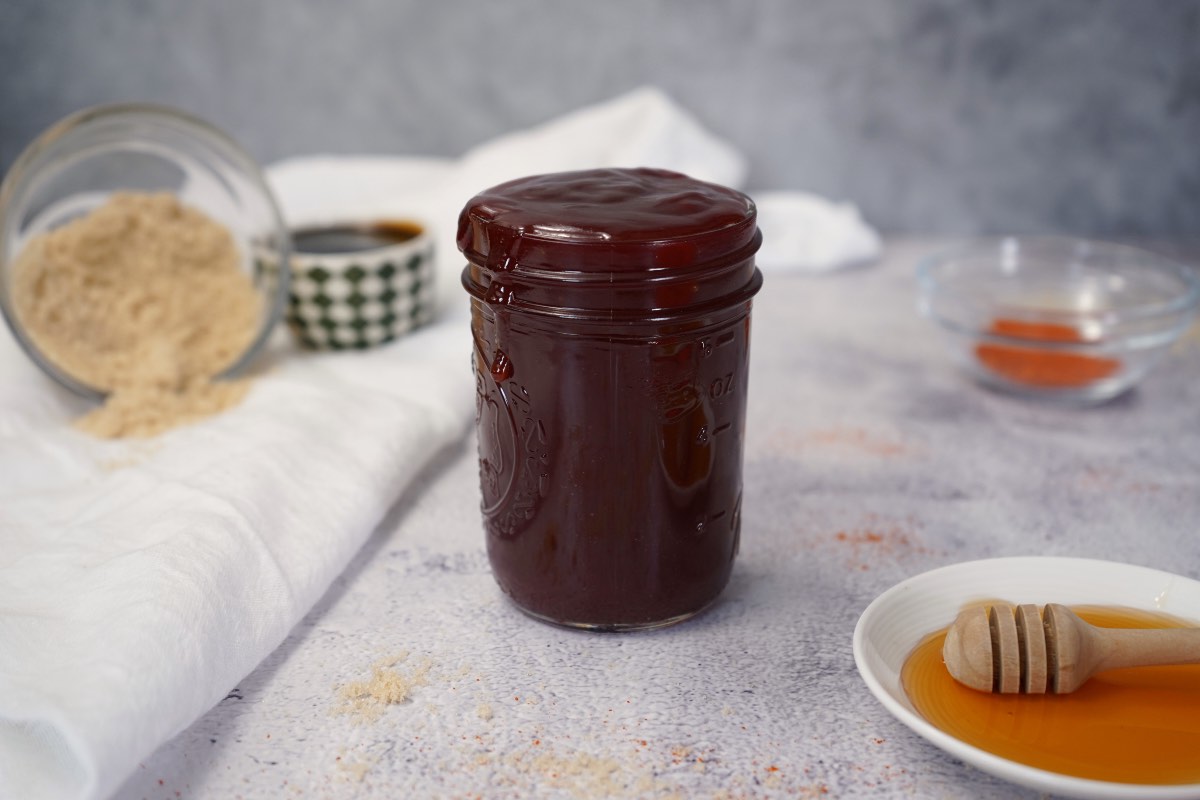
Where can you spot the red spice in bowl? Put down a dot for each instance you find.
(1058, 319)
(1038, 367)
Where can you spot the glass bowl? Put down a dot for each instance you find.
(1057, 319)
(76, 164)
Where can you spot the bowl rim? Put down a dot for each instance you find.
(17, 177)
(1187, 303)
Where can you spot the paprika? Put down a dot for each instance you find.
(1039, 367)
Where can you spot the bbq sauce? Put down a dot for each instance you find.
(611, 319)
(1129, 726)
(324, 240)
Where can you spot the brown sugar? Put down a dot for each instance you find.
(143, 298)
(387, 686)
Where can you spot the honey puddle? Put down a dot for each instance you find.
(1128, 726)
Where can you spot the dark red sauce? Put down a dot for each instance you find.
(610, 313)
(323, 240)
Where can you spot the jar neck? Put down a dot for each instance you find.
(697, 322)
(654, 294)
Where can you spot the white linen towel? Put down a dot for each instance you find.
(806, 233)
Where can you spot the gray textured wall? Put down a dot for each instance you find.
(933, 115)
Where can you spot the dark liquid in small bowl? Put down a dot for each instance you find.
(353, 238)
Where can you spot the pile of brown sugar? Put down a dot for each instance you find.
(143, 298)
(368, 699)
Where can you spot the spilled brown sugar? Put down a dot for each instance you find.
(366, 700)
(143, 298)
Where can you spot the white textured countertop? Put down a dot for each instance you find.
(868, 460)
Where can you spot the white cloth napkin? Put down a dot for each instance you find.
(140, 581)
(806, 233)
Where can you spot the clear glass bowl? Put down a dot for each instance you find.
(75, 165)
(1058, 319)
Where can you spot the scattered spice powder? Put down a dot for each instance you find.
(144, 298)
(1043, 368)
(880, 538)
(858, 439)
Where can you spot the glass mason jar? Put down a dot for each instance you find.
(78, 163)
(611, 323)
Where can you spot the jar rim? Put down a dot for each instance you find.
(608, 220)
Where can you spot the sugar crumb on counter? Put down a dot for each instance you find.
(355, 770)
(366, 700)
(584, 775)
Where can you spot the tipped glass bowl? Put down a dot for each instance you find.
(1057, 319)
(79, 162)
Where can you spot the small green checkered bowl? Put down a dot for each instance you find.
(363, 296)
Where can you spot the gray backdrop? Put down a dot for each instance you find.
(940, 116)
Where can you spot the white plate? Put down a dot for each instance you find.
(902, 616)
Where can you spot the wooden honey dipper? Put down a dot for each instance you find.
(1011, 650)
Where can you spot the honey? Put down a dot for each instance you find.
(1137, 725)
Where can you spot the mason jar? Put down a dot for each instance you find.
(610, 311)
